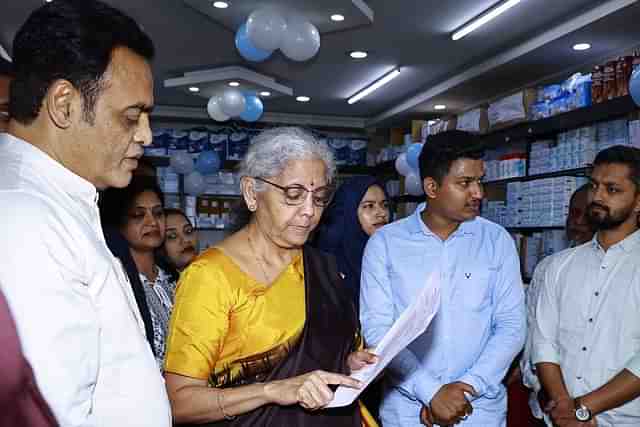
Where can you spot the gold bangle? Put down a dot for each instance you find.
(221, 406)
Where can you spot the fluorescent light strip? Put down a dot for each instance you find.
(375, 85)
(475, 23)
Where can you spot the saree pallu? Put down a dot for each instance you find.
(326, 341)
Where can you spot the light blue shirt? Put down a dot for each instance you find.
(479, 329)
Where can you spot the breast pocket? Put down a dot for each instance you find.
(473, 288)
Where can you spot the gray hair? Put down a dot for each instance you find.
(272, 149)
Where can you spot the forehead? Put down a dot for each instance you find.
(128, 79)
(466, 168)
(612, 173)
(308, 172)
(147, 198)
(176, 220)
(374, 193)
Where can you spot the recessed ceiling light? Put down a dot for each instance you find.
(220, 4)
(358, 54)
(48, 1)
(581, 46)
(303, 99)
(440, 107)
(337, 17)
(234, 84)
(265, 93)
(194, 89)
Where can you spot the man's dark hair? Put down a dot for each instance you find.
(116, 203)
(6, 68)
(72, 40)
(625, 155)
(442, 149)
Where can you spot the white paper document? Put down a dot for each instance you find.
(410, 325)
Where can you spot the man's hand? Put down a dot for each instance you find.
(449, 405)
(425, 416)
(563, 410)
(575, 423)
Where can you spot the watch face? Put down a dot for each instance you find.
(583, 414)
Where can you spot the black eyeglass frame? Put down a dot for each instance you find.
(298, 187)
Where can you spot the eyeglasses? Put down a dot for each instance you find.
(295, 195)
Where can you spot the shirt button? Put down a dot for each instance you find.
(578, 378)
(597, 294)
(584, 348)
(591, 320)
(603, 267)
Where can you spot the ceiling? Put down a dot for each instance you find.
(527, 44)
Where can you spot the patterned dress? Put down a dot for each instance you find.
(159, 295)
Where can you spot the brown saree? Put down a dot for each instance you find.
(328, 337)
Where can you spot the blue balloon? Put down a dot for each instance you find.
(247, 49)
(413, 156)
(253, 108)
(634, 86)
(208, 162)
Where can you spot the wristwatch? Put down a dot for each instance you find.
(583, 413)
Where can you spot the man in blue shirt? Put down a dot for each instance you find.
(452, 373)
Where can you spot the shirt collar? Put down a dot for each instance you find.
(72, 184)
(417, 225)
(627, 244)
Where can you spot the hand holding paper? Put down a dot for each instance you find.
(411, 324)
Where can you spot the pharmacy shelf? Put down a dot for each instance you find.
(567, 172)
(609, 110)
(230, 165)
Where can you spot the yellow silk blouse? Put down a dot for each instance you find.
(226, 326)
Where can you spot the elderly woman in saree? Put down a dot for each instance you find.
(262, 332)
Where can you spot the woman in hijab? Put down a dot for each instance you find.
(359, 208)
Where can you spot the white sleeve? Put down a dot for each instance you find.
(42, 279)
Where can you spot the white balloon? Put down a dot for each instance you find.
(214, 108)
(266, 28)
(181, 162)
(233, 102)
(194, 183)
(402, 166)
(413, 184)
(301, 41)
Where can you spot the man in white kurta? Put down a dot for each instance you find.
(79, 111)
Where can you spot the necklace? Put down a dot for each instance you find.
(255, 254)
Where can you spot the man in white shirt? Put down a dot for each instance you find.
(578, 231)
(79, 108)
(586, 337)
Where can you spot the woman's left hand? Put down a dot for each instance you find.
(359, 359)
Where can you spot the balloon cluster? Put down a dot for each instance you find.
(267, 30)
(408, 165)
(234, 103)
(207, 163)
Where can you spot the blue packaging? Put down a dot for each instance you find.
(197, 141)
(340, 148)
(218, 142)
(178, 141)
(358, 152)
(238, 145)
(159, 142)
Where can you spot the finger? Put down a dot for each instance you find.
(468, 388)
(304, 398)
(368, 357)
(320, 389)
(468, 409)
(316, 397)
(337, 379)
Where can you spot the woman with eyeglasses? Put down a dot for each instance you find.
(134, 222)
(260, 334)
